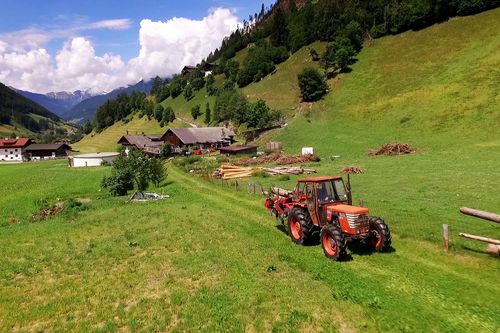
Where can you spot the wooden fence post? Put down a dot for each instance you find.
(446, 237)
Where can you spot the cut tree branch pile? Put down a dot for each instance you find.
(287, 170)
(391, 149)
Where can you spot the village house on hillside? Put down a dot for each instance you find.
(179, 138)
(203, 137)
(206, 68)
(150, 144)
(14, 150)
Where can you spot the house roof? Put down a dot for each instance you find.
(48, 147)
(141, 141)
(15, 143)
(202, 134)
(97, 155)
(149, 143)
(319, 179)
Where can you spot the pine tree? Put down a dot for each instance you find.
(208, 114)
(280, 33)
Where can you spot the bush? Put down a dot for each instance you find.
(166, 150)
(119, 183)
(314, 55)
(133, 168)
(195, 112)
(312, 85)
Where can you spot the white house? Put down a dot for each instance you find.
(14, 150)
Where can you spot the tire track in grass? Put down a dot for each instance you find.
(427, 297)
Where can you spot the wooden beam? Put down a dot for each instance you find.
(481, 214)
(446, 237)
(480, 238)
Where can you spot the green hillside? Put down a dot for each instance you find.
(436, 87)
(21, 116)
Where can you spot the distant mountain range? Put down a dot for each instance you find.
(87, 109)
(80, 106)
(59, 103)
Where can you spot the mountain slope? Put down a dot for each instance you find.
(58, 103)
(436, 85)
(87, 109)
(21, 115)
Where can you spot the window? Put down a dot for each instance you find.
(309, 191)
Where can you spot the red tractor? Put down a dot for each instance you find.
(323, 205)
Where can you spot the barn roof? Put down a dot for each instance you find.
(48, 147)
(149, 143)
(202, 134)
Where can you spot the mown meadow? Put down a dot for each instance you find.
(212, 259)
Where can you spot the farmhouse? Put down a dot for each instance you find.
(203, 137)
(150, 144)
(47, 151)
(206, 68)
(13, 150)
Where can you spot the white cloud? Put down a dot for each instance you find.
(119, 24)
(168, 46)
(165, 47)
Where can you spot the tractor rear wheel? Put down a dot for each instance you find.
(300, 226)
(333, 242)
(380, 238)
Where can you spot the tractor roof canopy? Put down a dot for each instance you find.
(319, 179)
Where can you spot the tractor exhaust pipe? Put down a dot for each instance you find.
(349, 192)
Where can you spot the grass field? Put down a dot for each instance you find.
(212, 259)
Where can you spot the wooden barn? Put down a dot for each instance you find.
(45, 151)
(203, 137)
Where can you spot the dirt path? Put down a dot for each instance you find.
(186, 122)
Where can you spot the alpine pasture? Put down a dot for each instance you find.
(212, 259)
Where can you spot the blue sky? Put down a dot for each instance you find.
(100, 44)
(16, 15)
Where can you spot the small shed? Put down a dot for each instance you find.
(233, 150)
(91, 160)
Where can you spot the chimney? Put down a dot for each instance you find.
(127, 132)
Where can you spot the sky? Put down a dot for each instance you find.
(99, 45)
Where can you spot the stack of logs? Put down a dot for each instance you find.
(232, 172)
(288, 170)
(493, 244)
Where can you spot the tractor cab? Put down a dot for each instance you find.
(320, 192)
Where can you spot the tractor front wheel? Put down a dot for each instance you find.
(333, 242)
(380, 238)
(300, 226)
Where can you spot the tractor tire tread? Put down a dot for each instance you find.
(383, 228)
